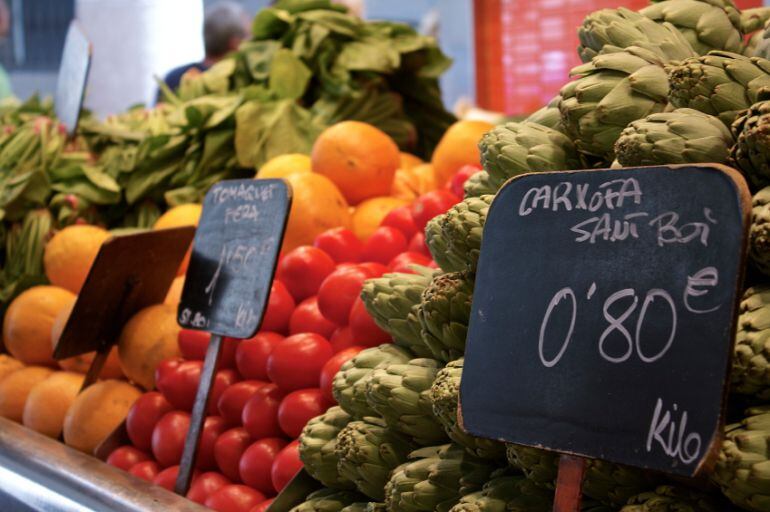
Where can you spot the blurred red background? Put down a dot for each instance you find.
(525, 48)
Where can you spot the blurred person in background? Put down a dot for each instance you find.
(225, 26)
(5, 28)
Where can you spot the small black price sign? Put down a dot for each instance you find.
(234, 255)
(73, 77)
(228, 281)
(604, 313)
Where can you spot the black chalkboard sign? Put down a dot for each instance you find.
(604, 313)
(234, 255)
(73, 77)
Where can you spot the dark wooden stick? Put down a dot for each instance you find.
(569, 484)
(96, 366)
(190, 454)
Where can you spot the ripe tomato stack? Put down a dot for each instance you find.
(268, 387)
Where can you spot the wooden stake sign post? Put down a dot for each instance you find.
(73, 78)
(130, 272)
(603, 317)
(234, 255)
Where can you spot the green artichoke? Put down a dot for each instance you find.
(622, 28)
(667, 498)
(434, 479)
(506, 491)
(683, 136)
(454, 238)
(751, 153)
(721, 84)
(444, 395)
(751, 359)
(478, 185)
(611, 484)
(754, 20)
(365, 507)
(368, 451)
(349, 385)
(444, 315)
(517, 148)
(708, 25)
(742, 467)
(327, 500)
(611, 91)
(392, 301)
(400, 394)
(316, 447)
(548, 116)
(759, 233)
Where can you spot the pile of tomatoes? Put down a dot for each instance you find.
(268, 387)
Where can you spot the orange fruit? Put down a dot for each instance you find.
(408, 161)
(317, 205)
(369, 214)
(81, 363)
(178, 216)
(28, 321)
(411, 183)
(70, 253)
(9, 365)
(96, 412)
(359, 158)
(15, 388)
(283, 165)
(174, 294)
(49, 400)
(149, 337)
(459, 146)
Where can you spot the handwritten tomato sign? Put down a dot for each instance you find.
(234, 256)
(604, 311)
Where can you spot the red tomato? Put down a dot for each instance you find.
(213, 427)
(365, 331)
(308, 318)
(179, 385)
(168, 437)
(404, 261)
(234, 498)
(205, 485)
(251, 355)
(260, 414)
(167, 478)
(303, 270)
(431, 204)
(223, 379)
(417, 244)
(146, 470)
(286, 465)
(257, 461)
(279, 308)
(331, 368)
(297, 361)
(457, 183)
(341, 244)
(401, 219)
(342, 339)
(126, 456)
(143, 416)
(193, 344)
(166, 367)
(262, 507)
(385, 244)
(375, 269)
(232, 400)
(339, 291)
(299, 407)
(228, 450)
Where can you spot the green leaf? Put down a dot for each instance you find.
(371, 54)
(257, 55)
(295, 6)
(270, 23)
(101, 180)
(337, 22)
(289, 77)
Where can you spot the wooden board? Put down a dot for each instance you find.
(604, 313)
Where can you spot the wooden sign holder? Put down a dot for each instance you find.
(220, 225)
(569, 484)
(130, 272)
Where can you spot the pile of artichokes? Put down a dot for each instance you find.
(675, 83)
